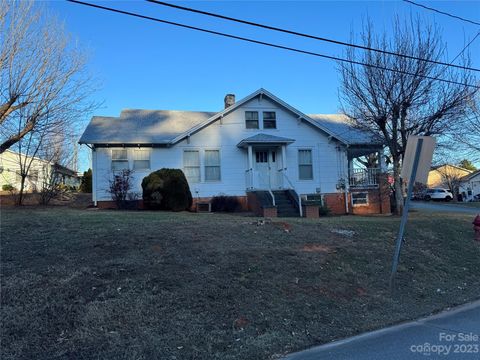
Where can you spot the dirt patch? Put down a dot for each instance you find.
(318, 248)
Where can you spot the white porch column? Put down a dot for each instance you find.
(250, 158)
(284, 157)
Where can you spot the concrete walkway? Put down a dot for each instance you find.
(438, 206)
(453, 334)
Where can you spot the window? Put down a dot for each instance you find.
(251, 119)
(360, 198)
(119, 159)
(305, 168)
(269, 120)
(212, 165)
(261, 156)
(33, 175)
(191, 165)
(141, 160)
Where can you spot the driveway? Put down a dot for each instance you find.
(453, 334)
(438, 206)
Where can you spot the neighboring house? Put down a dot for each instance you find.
(470, 186)
(259, 149)
(66, 176)
(446, 176)
(39, 172)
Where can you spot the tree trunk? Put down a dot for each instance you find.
(398, 187)
(20, 192)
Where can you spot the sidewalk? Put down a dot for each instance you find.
(452, 334)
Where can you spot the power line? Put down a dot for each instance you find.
(442, 12)
(291, 32)
(265, 43)
(466, 46)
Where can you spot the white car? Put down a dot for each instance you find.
(438, 194)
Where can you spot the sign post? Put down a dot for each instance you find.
(420, 150)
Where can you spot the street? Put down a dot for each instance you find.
(453, 334)
(443, 207)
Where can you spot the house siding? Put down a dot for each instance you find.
(329, 158)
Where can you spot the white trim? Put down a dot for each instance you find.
(94, 176)
(366, 198)
(305, 148)
(239, 103)
(205, 166)
(199, 164)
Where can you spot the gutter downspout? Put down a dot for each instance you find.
(347, 182)
(347, 211)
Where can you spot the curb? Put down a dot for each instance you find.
(387, 330)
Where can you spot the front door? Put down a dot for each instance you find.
(266, 169)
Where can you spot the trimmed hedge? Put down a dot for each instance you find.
(166, 189)
(8, 187)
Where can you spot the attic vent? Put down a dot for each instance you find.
(229, 100)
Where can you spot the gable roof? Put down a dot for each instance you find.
(470, 176)
(136, 126)
(265, 139)
(169, 127)
(433, 168)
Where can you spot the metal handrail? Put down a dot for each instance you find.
(293, 188)
(270, 188)
(251, 174)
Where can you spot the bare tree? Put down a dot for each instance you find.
(470, 139)
(396, 104)
(43, 78)
(40, 153)
(451, 177)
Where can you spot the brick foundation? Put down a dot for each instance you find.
(269, 212)
(255, 206)
(310, 211)
(378, 202)
(336, 203)
(241, 199)
(110, 204)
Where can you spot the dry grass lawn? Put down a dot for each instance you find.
(89, 284)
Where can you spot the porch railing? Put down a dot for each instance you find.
(254, 178)
(364, 177)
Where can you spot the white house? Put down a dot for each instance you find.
(259, 145)
(470, 186)
(39, 172)
(10, 168)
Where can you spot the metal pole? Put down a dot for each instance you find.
(403, 222)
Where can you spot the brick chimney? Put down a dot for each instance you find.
(229, 100)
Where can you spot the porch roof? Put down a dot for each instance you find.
(265, 139)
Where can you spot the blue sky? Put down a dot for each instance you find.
(147, 65)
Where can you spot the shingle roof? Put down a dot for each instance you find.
(169, 127)
(470, 176)
(265, 139)
(142, 126)
(345, 129)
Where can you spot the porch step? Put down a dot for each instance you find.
(285, 206)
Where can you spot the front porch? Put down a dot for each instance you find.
(365, 166)
(267, 162)
(364, 178)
